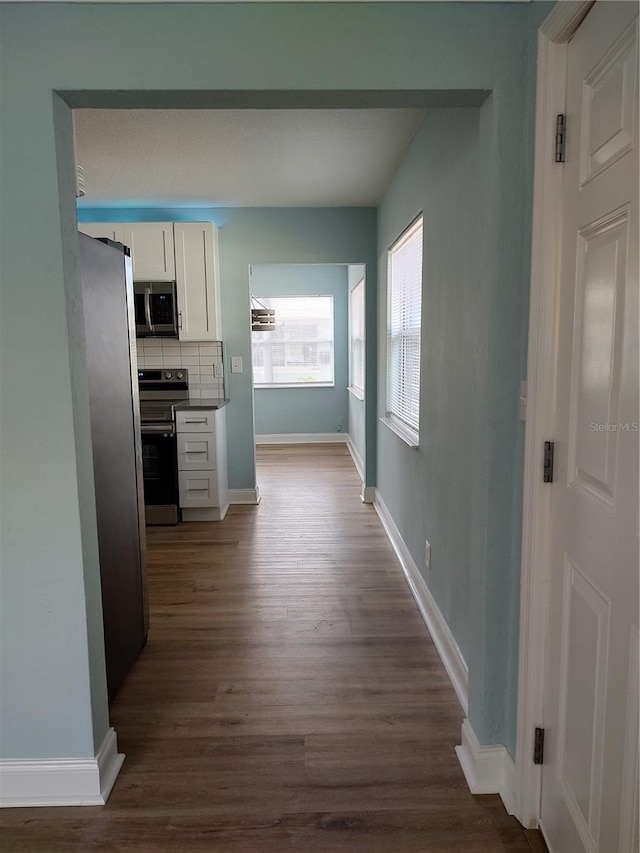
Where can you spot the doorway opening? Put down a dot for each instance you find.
(308, 369)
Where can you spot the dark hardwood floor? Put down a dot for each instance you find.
(289, 697)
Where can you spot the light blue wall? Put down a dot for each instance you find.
(430, 490)
(260, 236)
(456, 490)
(357, 413)
(232, 55)
(306, 410)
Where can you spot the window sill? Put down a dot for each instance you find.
(358, 393)
(295, 385)
(409, 436)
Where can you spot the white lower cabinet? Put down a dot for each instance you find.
(202, 464)
(197, 420)
(198, 488)
(196, 451)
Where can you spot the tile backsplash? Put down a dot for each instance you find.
(203, 361)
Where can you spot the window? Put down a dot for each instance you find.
(299, 351)
(403, 335)
(356, 340)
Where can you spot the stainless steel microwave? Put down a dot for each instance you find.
(156, 309)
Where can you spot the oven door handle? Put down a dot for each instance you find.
(147, 308)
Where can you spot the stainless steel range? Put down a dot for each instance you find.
(160, 391)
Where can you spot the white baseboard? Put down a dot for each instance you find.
(357, 459)
(302, 438)
(205, 513)
(244, 496)
(61, 781)
(487, 769)
(441, 635)
(109, 762)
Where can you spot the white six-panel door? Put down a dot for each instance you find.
(590, 772)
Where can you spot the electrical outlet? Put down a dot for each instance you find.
(523, 401)
(236, 364)
(427, 555)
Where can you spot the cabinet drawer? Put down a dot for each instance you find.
(198, 488)
(198, 420)
(196, 451)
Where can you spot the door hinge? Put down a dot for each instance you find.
(561, 138)
(538, 747)
(547, 469)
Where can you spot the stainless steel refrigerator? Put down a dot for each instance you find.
(109, 320)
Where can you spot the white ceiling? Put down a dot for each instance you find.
(241, 158)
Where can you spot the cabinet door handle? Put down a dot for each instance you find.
(203, 489)
(192, 452)
(179, 319)
(195, 420)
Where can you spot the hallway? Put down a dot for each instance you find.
(289, 697)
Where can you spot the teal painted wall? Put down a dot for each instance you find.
(233, 55)
(456, 490)
(430, 490)
(306, 410)
(260, 236)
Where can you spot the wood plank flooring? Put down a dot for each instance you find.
(289, 697)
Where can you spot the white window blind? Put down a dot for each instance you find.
(299, 351)
(403, 341)
(356, 338)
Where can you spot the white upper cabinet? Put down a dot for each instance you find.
(112, 230)
(152, 252)
(197, 281)
(184, 252)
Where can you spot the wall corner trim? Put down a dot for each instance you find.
(487, 769)
(244, 496)
(61, 781)
(440, 632)
(368, 495)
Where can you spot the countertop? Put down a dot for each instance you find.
(189, 405)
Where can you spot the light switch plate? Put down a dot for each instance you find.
(236, 364)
